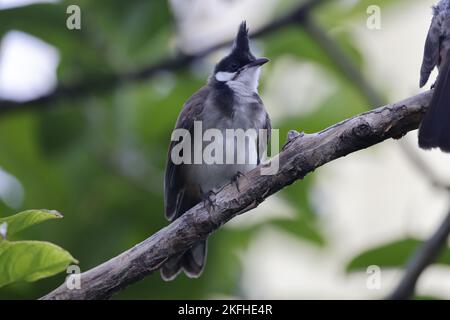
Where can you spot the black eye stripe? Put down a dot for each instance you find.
(234, 66)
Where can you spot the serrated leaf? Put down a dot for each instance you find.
(31, 261)
(25, 219)
(392, 255)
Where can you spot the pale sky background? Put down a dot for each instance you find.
(367, 198)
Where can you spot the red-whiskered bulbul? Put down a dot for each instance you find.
(229, 100)
(434, 131)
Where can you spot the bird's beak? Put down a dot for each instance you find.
(257, 63)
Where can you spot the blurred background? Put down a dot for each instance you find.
(96, 150)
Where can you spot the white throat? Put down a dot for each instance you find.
(246, 83)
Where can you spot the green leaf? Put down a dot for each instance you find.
(301, 228)
(31, 261)
(392, 255)
(25, 219)
(304, 225)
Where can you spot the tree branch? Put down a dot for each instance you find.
(336, 54)
(301, 155)
(426, 254)
(422, 258)
(181, 61)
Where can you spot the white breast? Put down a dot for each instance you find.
(244, 157)
(244, 116)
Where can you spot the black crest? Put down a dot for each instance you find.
(241, 43)
(240, 54)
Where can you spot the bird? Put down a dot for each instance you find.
(434, 130)
(229, 100)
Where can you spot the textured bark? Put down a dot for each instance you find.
(301, 155)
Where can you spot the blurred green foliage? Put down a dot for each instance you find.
(29, 260)
(100, 158)
(393, 254)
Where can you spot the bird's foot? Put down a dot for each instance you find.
(291, 136)
(210, 207)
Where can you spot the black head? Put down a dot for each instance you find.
(240, 54)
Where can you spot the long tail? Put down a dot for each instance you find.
(434, 132)
(192, 262)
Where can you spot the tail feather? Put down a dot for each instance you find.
(192, 262)
(171, 268)
(434, 132)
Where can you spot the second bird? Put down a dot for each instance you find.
(434, 132)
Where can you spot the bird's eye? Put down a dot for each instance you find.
(234, 66)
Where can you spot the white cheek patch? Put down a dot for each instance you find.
(225, 76)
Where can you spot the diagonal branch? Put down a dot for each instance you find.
(302, 155)
(422, 258)
(426, 254)
(342, 61)
(179, 62)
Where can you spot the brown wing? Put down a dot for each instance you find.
(431, 51)
(176, 198)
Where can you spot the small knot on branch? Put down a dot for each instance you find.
(362, 130)
(291, 136)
